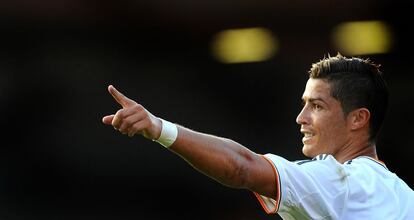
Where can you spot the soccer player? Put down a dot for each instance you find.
(344, 105)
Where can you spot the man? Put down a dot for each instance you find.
(344, 105)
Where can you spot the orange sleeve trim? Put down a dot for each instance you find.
(278, 191)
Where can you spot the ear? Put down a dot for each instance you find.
(359, 118)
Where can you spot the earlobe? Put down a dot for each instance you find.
(360, 118)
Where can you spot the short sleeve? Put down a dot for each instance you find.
(312, 189)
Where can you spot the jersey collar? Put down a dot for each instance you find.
(379, 162)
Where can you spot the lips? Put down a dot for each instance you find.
(307, 136)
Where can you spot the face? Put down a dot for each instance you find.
(322, 121)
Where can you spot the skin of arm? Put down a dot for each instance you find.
(222, 159)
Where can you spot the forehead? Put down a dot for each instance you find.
(317, 89)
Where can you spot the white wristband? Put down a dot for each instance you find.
(169, 133)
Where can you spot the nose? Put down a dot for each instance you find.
(303, 117)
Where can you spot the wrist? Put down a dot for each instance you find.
(169, 133)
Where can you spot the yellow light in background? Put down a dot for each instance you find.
(244, 45)
(363, 37)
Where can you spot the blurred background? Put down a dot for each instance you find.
(231, 68)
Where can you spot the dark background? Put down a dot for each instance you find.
(58, 161)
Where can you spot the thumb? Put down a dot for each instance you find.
(108, 119)
(119, 97)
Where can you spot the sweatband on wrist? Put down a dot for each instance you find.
(169, 133)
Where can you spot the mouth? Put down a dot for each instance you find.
(307, 136)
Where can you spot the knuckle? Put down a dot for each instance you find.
(127, 122)
(123, 131)
(135, 127)
(120, 113)
(146, 115)
(132, 131)
(137, 107)
(121, 128)
(116, 123)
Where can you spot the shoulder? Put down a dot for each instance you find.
(323, 169)
(366, 169)
(316, 186)
(370, 176)
(368, 172)
(322, 161)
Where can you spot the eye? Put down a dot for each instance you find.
(317, 107)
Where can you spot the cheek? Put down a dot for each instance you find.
(333, 130)
(330, 128)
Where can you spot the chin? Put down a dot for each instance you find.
(309, 151)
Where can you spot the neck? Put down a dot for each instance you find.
(351, 152)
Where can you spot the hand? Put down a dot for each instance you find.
(133, 118)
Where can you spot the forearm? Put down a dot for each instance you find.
(219, 158)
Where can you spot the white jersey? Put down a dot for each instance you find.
(323, 188)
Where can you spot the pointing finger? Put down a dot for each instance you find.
(120, 98)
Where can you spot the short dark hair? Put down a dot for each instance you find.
(355, 83)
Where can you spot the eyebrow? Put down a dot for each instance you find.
(314, 99)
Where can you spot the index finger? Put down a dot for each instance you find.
(119, 97)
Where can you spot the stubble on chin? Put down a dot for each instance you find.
(306, 150)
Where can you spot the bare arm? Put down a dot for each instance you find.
(219, 158)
